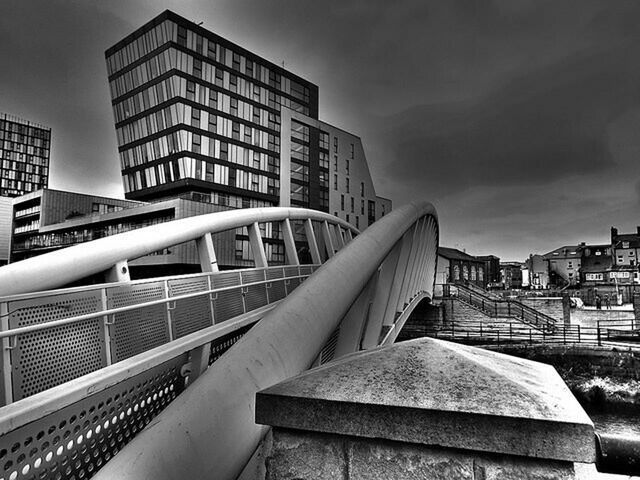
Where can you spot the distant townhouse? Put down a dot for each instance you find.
(457, 266)
(511, 275)
(625, 248)
(596, 264)
(564, 265)
(538, 269)
(491, 268)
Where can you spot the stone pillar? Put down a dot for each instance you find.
(425, 409)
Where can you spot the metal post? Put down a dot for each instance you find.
(530, 336)
(207, 253)
(107, 327)
(289, 243)
(598, 327)
(579, 339)
(6, 390)
(311, 240)
(510, 331)
(170, 307)
(257, 248)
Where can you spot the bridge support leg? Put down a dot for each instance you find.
(355, 321)
(328, 241)
(339, 238)
(289, 243)
(207, 254)
(311, 240)
(6, 388)
(257, 248)
(118, 273)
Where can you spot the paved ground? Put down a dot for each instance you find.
(588, 472)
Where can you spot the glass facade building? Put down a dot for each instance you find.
(24, 153)
(195, 113)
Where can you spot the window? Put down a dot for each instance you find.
(357, 222)
(361, 207)
(362, 189)
(347, 166)
(456, 272)
(335, 182)
(342, 202)
(625, 244)
(335, 163)
(352, 150)
(182, 36)
(347, 217)
(346, 184)
(335, 144)
(465, 272)
(352, 205)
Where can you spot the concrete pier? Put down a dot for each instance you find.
(425, 409)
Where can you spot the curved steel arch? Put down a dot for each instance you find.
(209, 430)
(73, 263)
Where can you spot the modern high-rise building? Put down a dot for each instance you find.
(198, 114)
(24, 168)
(200, 117)
(24, 150)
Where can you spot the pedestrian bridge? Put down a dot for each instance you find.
(165, 371)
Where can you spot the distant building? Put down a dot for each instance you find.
(491, 268)
(48, 220)
(456, 266)
(596, 265)
(511, 275)
(625, 248)
(538, 269)
(24, 155)
(564, 265)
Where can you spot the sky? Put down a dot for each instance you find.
(518, 119)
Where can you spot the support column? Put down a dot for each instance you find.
(339, 239)
(289, 243)
(328, 241)
(311, 240)
(118, 273)
(207, 254)
(257, 247)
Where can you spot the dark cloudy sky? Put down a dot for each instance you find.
(518, 119)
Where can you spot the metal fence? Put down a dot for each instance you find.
(500, 308)
(506, 332)
(52, 337)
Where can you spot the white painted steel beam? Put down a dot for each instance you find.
(311, 240)
(118, 273)
(179, 444)
(289, 243)
(328, 241)
(207, 253)
(67, 265)
(257, 247)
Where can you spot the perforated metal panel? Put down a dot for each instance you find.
(192, 314)
(306, 269)
(274, 273)
(329, 350)
(291, 271)
(76, 441)
(138, 330)
(50, 357)
(254, 296)
(276, 290)
(228, 304)
(225, 279)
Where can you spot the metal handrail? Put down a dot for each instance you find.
(548, 321)
(67, 265)
(88, 316)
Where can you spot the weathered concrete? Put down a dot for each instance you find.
(304, 455)
(436, 393)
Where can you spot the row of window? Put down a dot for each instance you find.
(182, 141)
(146, 43)
(12, 188)
(475, 274)
(28, 227)
(22, 164)
(27, 211)
(180, 114)
(10, 149)
(25, 177)
(7, 126)
(26, 140)
(273, 251)
(200, 170)
(174, 59)
(82, 235)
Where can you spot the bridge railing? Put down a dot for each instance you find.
(180, 417)
(357, 300)
(59, 335)
(500, 308)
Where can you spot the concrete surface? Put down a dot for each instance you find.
(437, 393)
